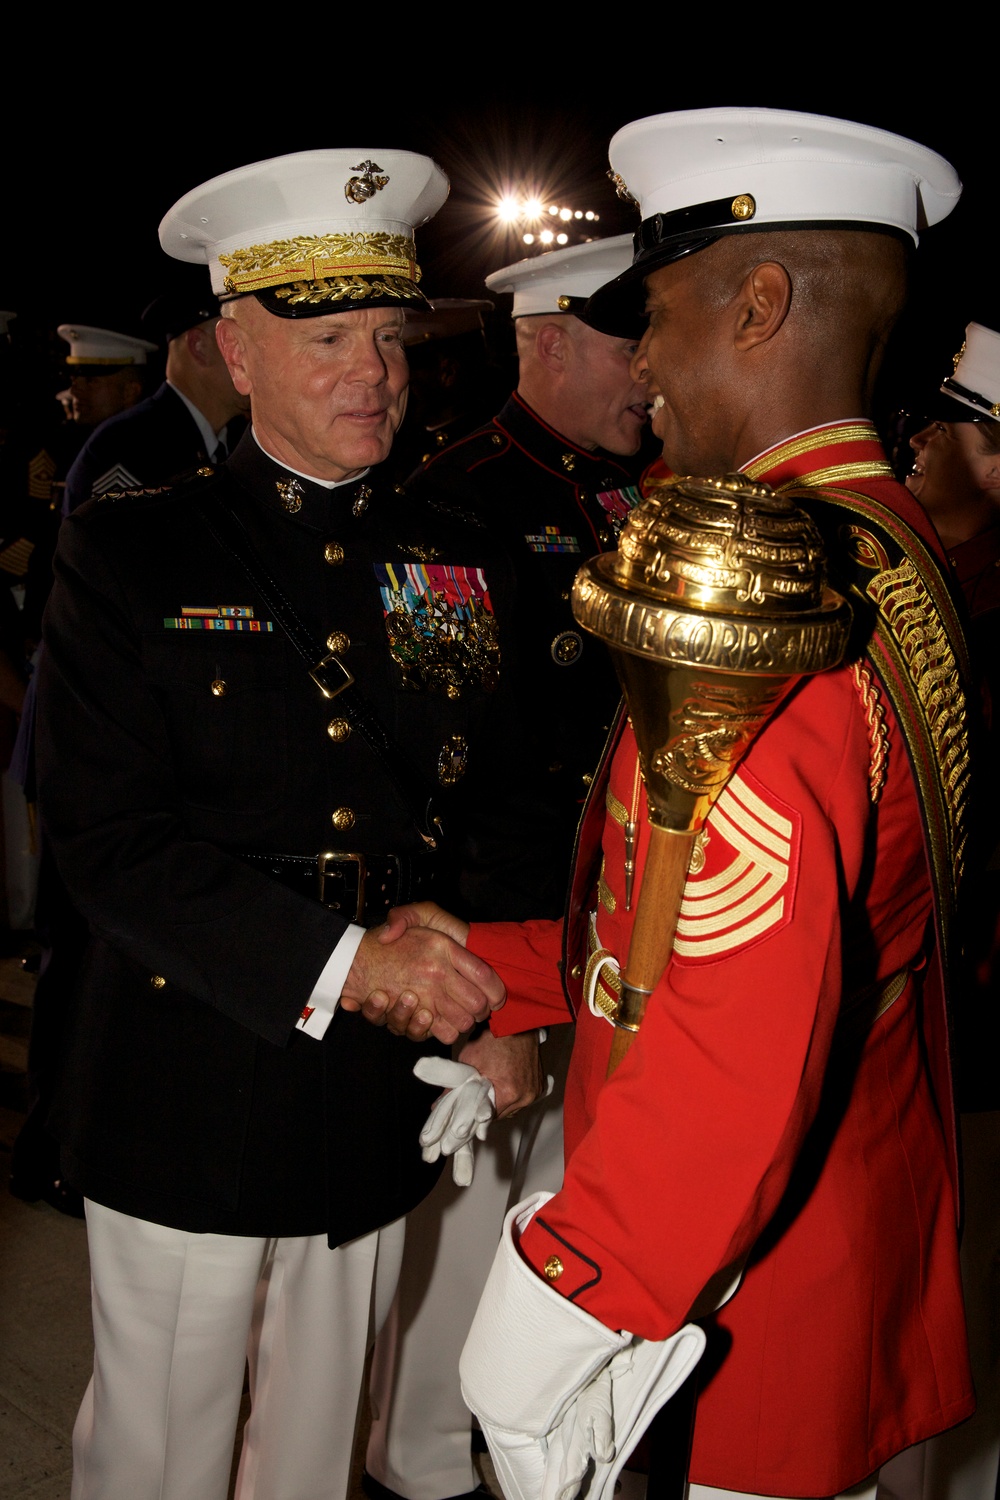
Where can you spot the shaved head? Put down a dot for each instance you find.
(764, 334)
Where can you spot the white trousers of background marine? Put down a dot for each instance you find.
(420, 1443)
(176, 1318)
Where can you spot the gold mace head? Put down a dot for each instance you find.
(713, 608)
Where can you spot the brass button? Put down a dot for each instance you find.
(343, 819)
(576, 971)
(567, 648)
(553, 1268)
(583, 496)
(604, 536)
(338, 642)
(339, 730)
(333, 553)
(218, 688)
(743, 206)
(157, 981)
(497, 440)
(564, 303)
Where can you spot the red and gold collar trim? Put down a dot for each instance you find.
(838, 454)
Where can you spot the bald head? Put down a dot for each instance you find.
(579, 382)
(762, 335)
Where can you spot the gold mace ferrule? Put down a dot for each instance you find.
(721, 582)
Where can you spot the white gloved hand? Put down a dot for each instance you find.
(458, 1117)
(562, 1400)
(585, 1435)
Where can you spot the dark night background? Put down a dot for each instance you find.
(88, 179)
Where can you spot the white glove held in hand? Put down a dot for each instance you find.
(561, 1399)
(461, 1115)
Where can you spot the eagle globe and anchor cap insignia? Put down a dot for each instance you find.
(370, 181)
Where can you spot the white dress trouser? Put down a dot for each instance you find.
(421, 1432)
(177, 1316)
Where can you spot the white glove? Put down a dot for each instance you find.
(458, 1117)
(561, 1399)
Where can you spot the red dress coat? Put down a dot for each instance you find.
(783, 1105)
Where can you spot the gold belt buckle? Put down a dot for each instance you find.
(339, 857)
(331, 677)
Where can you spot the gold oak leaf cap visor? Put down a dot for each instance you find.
(312, 233)
(696, 175)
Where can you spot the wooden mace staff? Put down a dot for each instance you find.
(714, 606)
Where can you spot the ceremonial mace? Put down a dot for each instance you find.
(714, 606)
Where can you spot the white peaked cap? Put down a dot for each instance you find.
(562, 280)
(314, 232)
(705, 172)
(976, 378)
(101, 346)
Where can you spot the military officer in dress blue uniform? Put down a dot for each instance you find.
(262, 695)
(552, 476)
(184, 423)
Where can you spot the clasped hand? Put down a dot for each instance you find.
(414, 975)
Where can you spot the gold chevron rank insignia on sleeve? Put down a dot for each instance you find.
(745, 889)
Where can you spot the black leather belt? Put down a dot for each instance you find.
(361, 887)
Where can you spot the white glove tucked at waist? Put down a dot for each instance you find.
(460, 1116)
(561, 1399)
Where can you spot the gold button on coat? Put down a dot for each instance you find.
(157, 981)
(218, 688)
(553, 1268)
(338, 642)
(343, 819)
(333, 553)
(339, 730)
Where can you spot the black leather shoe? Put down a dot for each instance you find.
(57, 1193)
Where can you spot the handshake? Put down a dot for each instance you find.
(413, 974)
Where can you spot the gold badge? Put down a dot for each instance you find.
(622, 190)
(743, 207)
(569, 462)
(452, 760)
(370, 181)
(290, 494)
(361, 499)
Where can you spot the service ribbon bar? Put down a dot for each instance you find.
(203, 622)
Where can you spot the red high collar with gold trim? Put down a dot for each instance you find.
(838, 454)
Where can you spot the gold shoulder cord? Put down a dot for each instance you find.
(912, 636)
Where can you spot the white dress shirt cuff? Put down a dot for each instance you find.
(318, 1011)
